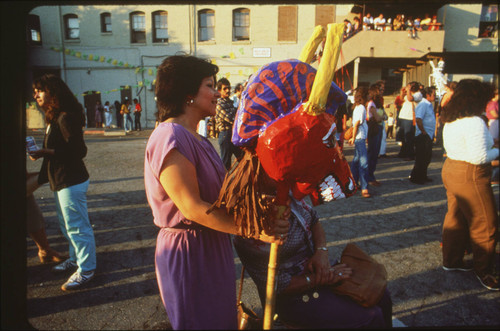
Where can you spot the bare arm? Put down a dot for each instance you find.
(420, 125)
(178, 178)
(354, 132)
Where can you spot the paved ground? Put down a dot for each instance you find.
(400, 226)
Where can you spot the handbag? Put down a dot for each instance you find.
(348, 133)
(368, 281)
(247, 318)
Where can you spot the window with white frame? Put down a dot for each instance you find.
(206, 25)
(488, 24)
(137, 28)
(160, 27)
(34, 34)
(241, 24)
(71, 27)
(106, 23)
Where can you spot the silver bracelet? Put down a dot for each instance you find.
(322, 248)
(308, 280)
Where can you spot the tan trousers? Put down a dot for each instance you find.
(472, 213)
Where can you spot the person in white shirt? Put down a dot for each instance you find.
(359, 164)
(406, 124)
(367, 22)
(379, 22)
(237, 95)
(424, 135)
(472, 213)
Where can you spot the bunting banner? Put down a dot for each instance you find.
(103, 59)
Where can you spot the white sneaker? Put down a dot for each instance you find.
(65, 266)
(77, 280)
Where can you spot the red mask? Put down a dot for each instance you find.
(301, 153)
(297, 150)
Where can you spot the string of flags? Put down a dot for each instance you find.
(103, 59)
(139, 69)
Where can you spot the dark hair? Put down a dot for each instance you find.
(469, 99)
(375, 95)
(238, 87)
(179, 78)
(360, 95)
(135, 100)
(428, 91)
(222, 81)
(62, 100)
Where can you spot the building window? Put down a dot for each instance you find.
(160, 27)
(137, 27)
(325, 14)
(106, 22)
(488, 25)
(71, 27)
(206, 25)
(241, 24)
(287, 23)
(33, 30)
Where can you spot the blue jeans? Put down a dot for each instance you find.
(374, 144)
(227, 148)
(359, 164)
(71, 204)
(127, 122)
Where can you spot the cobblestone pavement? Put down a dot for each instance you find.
(399, 226)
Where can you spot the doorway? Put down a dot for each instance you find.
(90, 100)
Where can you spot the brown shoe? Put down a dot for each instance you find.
(375, 183)
(489, 281)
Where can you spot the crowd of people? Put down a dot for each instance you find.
(400, 22)
(184, 174)
(103, 115)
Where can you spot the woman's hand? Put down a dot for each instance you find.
(280, 227)
(319, 266)
(351, 141)
(338, 273)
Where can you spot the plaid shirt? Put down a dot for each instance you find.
(293, 255)
(224, 114)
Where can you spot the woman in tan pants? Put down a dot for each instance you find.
(472, 213)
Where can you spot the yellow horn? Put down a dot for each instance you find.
(319, 92)
(309, 49)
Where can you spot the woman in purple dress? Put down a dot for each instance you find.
(183, 175)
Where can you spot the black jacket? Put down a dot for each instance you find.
(65, 168)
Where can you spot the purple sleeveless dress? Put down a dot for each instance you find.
(194, 264)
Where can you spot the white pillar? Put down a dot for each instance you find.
(355, 77)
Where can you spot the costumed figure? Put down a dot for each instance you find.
(438, 78)
(285, 122)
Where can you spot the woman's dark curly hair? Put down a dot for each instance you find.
(361, 95)
(178, 79)
(375, 96)
(469, 99)
(61, 99)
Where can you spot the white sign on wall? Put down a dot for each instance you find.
(262, 52)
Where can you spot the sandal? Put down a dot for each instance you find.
(365, 194)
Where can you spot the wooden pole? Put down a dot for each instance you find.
(271, 287)
(272, 275)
